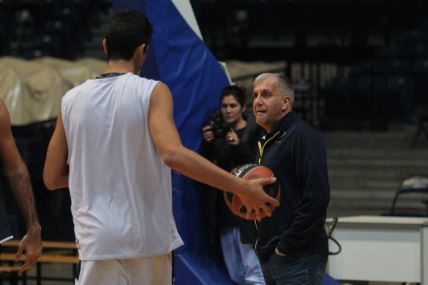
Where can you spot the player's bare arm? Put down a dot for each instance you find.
(17, 174)
(55, 173)
(189, 163)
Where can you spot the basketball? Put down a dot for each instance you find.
(251, 171)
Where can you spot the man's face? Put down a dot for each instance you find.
(269, 104)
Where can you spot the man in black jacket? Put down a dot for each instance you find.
(292, 243)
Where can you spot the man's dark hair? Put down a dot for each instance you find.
(237, 92)
(127, 29)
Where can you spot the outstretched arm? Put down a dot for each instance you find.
(189, 163)
(19, 180)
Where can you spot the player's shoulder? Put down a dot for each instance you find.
(161, 86)
(70, 94)
(141, 79)
(143, 83)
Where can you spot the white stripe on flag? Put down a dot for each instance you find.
(186, 11)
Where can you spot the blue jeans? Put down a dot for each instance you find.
(294, 269)
(241, 260)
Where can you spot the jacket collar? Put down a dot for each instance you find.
(281, 127)
(277, 132)
(283, 124)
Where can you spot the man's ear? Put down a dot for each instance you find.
(105, 48)
(142, 49)
(286, 103)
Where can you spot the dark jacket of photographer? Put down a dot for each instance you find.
(227, 157)
(296, 154)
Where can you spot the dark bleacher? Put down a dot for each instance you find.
(57, 28)
(384, 44)
(387, 87)
(274, 29)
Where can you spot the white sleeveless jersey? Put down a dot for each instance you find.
(120, 188)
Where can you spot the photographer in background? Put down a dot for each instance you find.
(230, 140)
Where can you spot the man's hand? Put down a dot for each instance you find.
(256, 200)
(32, 244)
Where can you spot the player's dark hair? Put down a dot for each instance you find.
(127, 29)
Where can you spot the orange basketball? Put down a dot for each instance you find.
(251, 171)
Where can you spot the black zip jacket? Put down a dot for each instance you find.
(296, 154)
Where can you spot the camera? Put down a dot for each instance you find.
(218, 125)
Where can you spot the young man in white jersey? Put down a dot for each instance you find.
(113, 146)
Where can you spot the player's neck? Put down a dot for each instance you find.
(121, 66)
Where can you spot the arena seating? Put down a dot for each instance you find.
(48, 28)
(391, 83)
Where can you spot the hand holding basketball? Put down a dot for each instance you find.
(255, 211)
(261, 186)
